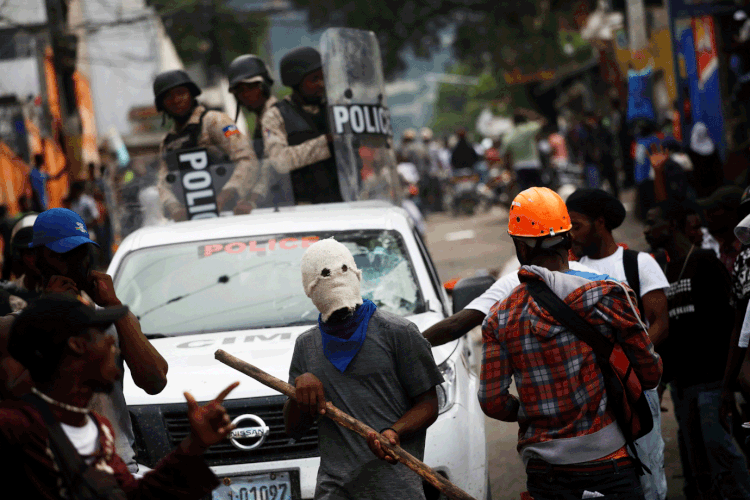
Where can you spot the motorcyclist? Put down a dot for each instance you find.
(250, 82)
(295, 130)
(196, 126)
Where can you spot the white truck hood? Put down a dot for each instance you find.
(193, 368)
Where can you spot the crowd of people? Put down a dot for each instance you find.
(65, 336)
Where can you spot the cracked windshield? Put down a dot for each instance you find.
(247, 283)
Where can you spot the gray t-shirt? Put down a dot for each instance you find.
(394, 366)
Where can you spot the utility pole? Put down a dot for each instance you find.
(64, 46)
(215, 54)
(43, 122)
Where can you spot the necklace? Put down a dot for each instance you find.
(49, 400)
(685, 264)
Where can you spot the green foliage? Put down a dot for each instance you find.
(504, 33)
(211, 30)
(459, 106)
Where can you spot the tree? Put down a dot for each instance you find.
(212, 31)
(505, 33)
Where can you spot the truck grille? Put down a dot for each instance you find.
(277, 445)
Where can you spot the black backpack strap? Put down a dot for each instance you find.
(571, 320)
(632, 275)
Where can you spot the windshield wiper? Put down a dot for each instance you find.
(152, 336)
(223, 279)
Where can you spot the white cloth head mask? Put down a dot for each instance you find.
(330, 277)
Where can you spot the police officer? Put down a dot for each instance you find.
(250, 82)
(295, 132)
(195, 126)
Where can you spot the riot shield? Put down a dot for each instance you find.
(358, 115)
(195, 177)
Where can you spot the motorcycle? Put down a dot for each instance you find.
(502, 185)
(464, 192)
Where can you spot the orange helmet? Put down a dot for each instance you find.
(538, 212)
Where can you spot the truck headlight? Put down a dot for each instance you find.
(446, 392)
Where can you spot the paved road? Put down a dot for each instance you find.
(461, 246)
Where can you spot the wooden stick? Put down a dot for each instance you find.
(345, 420)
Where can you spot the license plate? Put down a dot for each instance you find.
(270, 486)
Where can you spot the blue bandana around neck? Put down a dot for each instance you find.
(343, 341)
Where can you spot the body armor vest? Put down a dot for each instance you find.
(319, 182)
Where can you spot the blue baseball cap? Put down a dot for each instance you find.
(61, 230)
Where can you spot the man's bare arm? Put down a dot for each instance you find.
(657, 314)
(454, 327)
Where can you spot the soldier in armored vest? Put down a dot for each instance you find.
(195, 126)
(250, 82)
(295, 131)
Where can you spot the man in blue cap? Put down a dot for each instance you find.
(63, 260)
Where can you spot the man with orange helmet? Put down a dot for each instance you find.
(569, 438)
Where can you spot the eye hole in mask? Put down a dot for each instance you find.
(325, 272)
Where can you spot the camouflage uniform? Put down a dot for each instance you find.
(308, 159)
(220, 133)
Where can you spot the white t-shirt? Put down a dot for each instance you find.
(650, 274)
(503, 287)
(85, 439)
(710, 243)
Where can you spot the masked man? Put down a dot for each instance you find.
(373, 365)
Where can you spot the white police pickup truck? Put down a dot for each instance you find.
(235, 284)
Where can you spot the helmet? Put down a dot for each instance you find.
(426, 134)
(248, 67)
(297, 63)
(538, 212)
(22, 232)
(168, 80)
(409, 134)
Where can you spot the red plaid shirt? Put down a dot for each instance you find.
(560, 387)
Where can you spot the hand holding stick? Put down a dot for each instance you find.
(351, 423)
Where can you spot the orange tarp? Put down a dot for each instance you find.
(14, 172)
(90, 152)
(53, 94)
(34, 138)
(54, 162)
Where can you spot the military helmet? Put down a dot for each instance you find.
(298, 63)
(247, 67)
(168, 80)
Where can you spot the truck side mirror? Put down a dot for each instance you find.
(469, 289)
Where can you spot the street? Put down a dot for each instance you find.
(461, 246)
